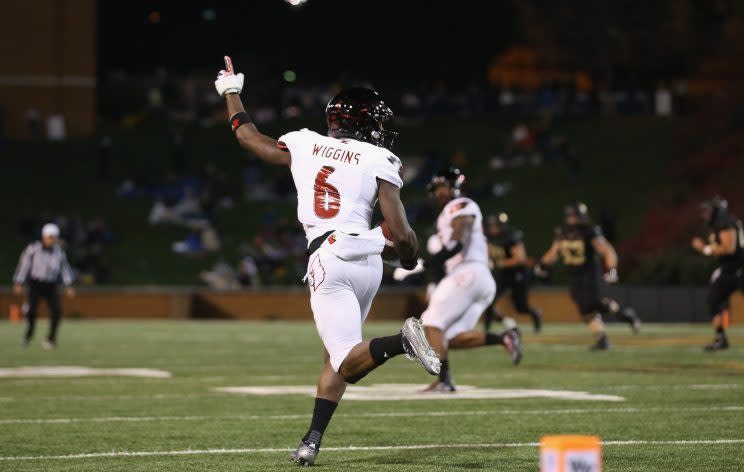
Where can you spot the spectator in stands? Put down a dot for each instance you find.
(663, 101)
(202, 239)
(247, 268)
(221, 277)
(522, 138)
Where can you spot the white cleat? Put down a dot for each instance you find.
(305, 454)
(417, 347)
(636, 325)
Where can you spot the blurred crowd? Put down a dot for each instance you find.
(274, 256)
(271, 254)
(192, 98)
(187, 201)
(534, 143)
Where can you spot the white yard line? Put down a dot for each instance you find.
(67, 371)
(152, 396)
(137, 419)
(394, 414)
(93, 455)
(499, 375)
(675, 387)
(412, 392)
(170, 396)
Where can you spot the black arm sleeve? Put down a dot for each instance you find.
(438, 259)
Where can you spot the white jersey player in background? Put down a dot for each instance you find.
(339, 178)
(459, 299)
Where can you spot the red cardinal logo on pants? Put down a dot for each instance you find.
(316, 274)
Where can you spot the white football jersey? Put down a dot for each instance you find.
(336, 180)
(477, 250)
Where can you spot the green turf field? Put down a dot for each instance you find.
(677, 402)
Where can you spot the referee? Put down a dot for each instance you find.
(41, 267)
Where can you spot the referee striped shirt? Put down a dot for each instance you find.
(42, 264)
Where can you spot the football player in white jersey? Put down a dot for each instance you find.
(468, 287)
(339, 178)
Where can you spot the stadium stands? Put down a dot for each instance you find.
(621, 162)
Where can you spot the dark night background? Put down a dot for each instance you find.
(407, 41)
(385, 40)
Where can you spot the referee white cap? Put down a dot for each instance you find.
(50, 230)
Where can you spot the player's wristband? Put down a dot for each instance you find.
(239, 119)
(708, 250)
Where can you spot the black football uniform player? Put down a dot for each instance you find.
(508, 260)
(590, 260)
(726, 244)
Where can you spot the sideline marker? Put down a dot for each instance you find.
(570, 453)
(14, 313)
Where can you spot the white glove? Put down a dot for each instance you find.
(400, 273)
(227, 81)
(434, 244)
(610, 276)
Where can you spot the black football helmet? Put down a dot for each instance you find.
(451, 176)
(579, 210)
(500, 219)
(360, 113)
(714, 211)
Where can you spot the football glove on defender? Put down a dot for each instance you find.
(541, 272)
(227, 81)
(610, 276)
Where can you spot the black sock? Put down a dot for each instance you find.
(487, 320)
(382, 349)
(493, 338)
(321, 417)
(491, 315)
(444, 371)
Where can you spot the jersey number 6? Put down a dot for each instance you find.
(327, 198)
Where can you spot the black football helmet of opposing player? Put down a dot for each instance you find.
(714, 211)
(360, 113)
(498, 223)
(451, 176)
(502, 218)
(580, 211)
